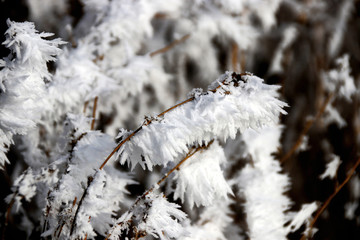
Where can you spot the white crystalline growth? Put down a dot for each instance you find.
(331, 167)
(213, 222)
(236, 105)
(154, 216)
(340, 79)
(22, 81)
(163, 218)
(200, 179)
(302, 217)
(263, 186)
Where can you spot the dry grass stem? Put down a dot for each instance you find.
(306, 129)
(234, 57)
(327, 202)
(94, 113)
(170, 46)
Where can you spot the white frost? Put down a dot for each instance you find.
(200, 179)
(235, 106)
(331, 167)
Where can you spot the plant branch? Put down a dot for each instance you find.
(145, 124)
(72, 144)
(85, 106)
(170, 46)
(327, 202)
(235, 76)
(90, 179)
(306, 129)
(234, 57)
(7, 215)
(94, 113)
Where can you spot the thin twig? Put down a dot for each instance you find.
(175, 106)
(11, 203)
(327, 202)
(85, 106)
(90, 179)
(170, 46)
(72, 144)
(242, 61)
(306, 129)
(234, 58)
(94, 113)
(138, 129)
(7, 216)
(191, 152)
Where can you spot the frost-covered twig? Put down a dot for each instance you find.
(72, 144)
(147, 122)
(23, 80)
(229, 78)
(235, 103)
(327, 202)
(191, 152)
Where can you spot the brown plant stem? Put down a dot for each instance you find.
(327, 202)
(234, 57)
(72, 144)
(73, 224)
(11, 204)
(7, 215)
(191, 152)
(60, 227)
(170, 46)
(94, 113)
(85, 106)
(242, 61)
(306, 129)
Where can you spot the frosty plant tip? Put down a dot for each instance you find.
(234, 102)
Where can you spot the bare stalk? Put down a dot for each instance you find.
(73, 224)
(170, 46)
(94, 113)
(85, 106)
(306, 129)
(234, 57)
(327, 202)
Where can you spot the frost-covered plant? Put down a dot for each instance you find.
(23, 80)
(224, 162)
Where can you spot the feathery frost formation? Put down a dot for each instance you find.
(233, 103)
(204, 168)
(263, 186)
(96, 201)
(223, 163)
(23, 80)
